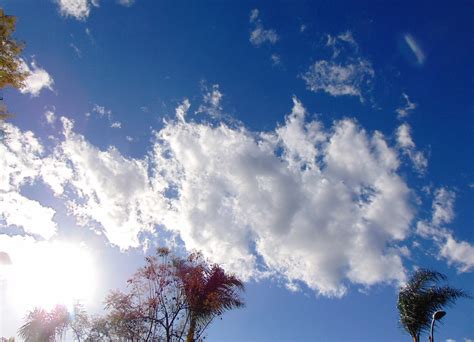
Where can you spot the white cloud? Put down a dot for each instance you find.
(415, 48)
(116, 124)
(460, 254)
(450, 340)
(339, 79)
(102, 111)
(406, 144)
(34, 218)
(253, 15)
(126, 3)
(236, 199)
(77, 51)
(344, 42)
(20, 162)
(112, 190)
(37, 80)
(443, 207)
(276, 59)
(311, 205)
(212, 102)
(79, 9)
(407, 109)
(182, 109)
(50, 117)
(302, 28)
(259, 35)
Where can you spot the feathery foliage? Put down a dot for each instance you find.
(421, 297)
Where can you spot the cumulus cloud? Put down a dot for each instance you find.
(459, 254)
(37, 79)
(339, 79)
(316, 206)
(237, 199)
(259, 35)
(109, 189)
(78, 9)
(406, 144)
(20, 162)
(407, 108)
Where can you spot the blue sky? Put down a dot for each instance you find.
(321, 151)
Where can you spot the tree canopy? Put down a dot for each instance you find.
(11, 71)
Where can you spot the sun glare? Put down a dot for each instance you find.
(52, 273)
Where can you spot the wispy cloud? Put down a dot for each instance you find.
(415, 48)
(406, 144)
(77, 51)
(457, 253)
(340, 79)
(276, 59)
(341, 43)
(259, 35)
(126, 3)
(407, 108)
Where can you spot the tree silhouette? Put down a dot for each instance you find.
(421, 297)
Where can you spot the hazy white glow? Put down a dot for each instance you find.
(48, 273)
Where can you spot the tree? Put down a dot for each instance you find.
(209, 292)
(172, 298)
(11, 71)
(168, 299)
(44, 326)
(420, 297)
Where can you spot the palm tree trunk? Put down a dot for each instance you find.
(416, 338)
(192, 329)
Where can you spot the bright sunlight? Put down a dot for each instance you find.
(50, 273)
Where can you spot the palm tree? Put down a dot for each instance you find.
(420, 297)
(43, 326)
(37, 327)
(209, 292)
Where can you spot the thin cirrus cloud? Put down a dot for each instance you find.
(318, 206)
(415, 48)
